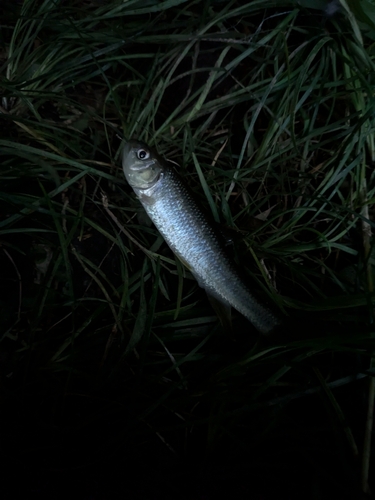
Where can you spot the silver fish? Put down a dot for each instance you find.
(188, 232)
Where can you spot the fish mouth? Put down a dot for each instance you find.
(144, 166)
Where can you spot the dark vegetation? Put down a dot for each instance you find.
(117, 380)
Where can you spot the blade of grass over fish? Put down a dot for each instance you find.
(149, 253)
(206, 189)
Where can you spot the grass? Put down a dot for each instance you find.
(268, 109)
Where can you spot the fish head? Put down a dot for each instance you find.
(141, 165)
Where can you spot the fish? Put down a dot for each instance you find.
(189, 233)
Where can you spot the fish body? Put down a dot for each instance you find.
(188, 232)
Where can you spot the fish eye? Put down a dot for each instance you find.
(142, 154)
